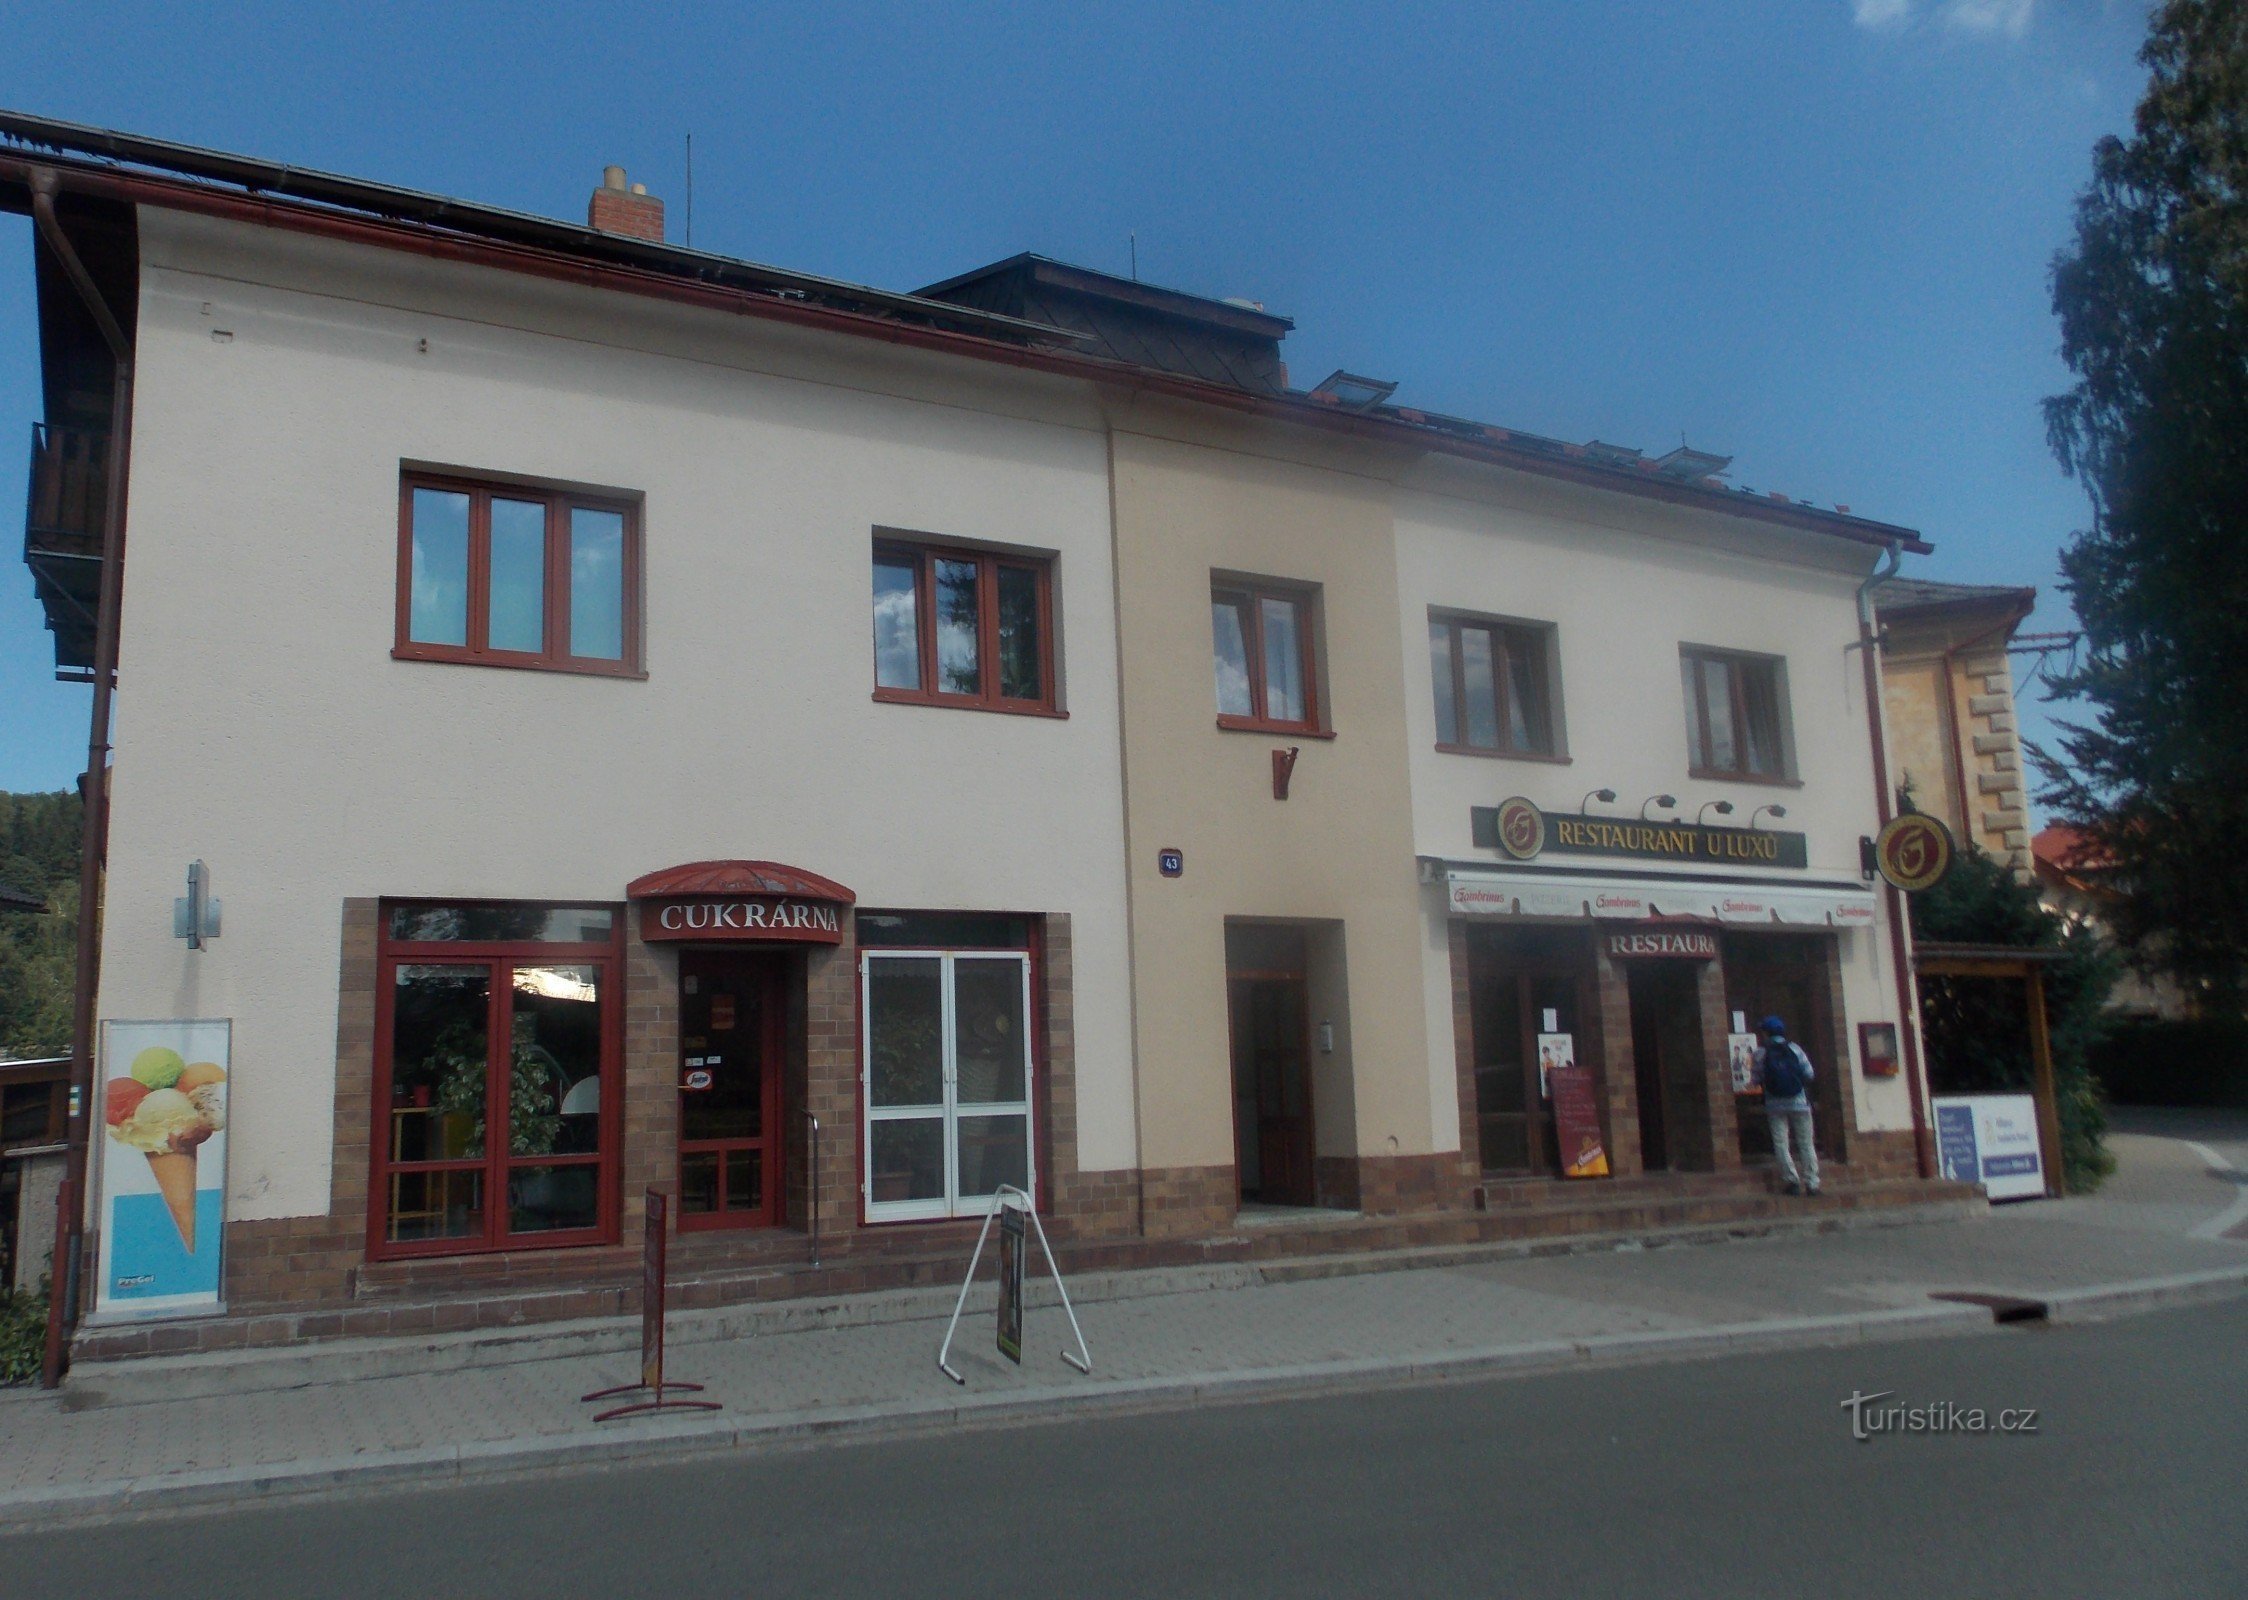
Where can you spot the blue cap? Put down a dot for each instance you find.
(1774, 1025)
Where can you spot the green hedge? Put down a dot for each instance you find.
(2174, 1063)
(23, 1335)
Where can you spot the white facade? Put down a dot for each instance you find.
(1625, 583)
(264, 728)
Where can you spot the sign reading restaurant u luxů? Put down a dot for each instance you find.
(740, 902)
(1523, 831)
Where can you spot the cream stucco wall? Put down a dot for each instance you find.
(263, 727)
(1196, 497)
(1626, 582)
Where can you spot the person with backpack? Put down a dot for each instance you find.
(1786, 1073)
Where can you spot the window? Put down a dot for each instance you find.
(1493, 686)
(510, 576)
(1262, 648)
(963, 627)
(1736, 715)
(498, 1050)
(948, 1068)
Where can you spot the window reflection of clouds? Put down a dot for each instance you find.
(1283, 660)
(897, 656)
(597, 584)
(439, 606)
(1232, 657)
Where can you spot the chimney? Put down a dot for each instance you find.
(616, 209)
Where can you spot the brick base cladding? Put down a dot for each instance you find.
(321, 1260)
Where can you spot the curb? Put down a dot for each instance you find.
(122, 1382)
(2102, 1301)
(454, 1464)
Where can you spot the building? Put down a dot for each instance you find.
(825, 753)
(2075, 880)
(1955, 745)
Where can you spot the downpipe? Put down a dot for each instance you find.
(1900, 948)
(67, 1290)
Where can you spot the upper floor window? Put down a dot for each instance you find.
(1262, 649)
(1494, 685)
(1736, 714)
(511, 575)
(963, 627)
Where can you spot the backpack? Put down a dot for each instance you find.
(1785, 1071)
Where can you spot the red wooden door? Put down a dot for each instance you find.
(1272, 1076)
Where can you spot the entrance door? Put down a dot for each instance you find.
(1272, 1126)
(1666, 1047)
(730, 1029)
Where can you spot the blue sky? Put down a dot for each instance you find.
(1812, 234)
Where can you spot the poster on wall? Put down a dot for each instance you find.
(1554, 1050)
(163, 1170)
(1740, 1052)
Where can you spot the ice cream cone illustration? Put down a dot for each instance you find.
(175, 1178)
(165, 1110)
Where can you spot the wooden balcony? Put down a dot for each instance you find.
(62, 537)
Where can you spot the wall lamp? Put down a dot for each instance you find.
(1723, 808)
(1606, 797)
(1669, 802)
(1777, 811)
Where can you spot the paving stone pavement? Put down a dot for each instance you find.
(67, 1443)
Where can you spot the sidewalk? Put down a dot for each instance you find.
(473, 1404)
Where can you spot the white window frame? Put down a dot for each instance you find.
(951, 1203)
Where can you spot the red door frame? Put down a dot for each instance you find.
(771, 978)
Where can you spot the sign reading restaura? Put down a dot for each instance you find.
(163, 1170)
(1678, 944)
(1523, 832)
(742, 918)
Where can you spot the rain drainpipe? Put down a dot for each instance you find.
(63, 1298)
(1869, 644)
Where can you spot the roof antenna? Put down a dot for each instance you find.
(690, 191)
(1135, 239)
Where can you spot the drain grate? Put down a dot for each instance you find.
(2003, 1307)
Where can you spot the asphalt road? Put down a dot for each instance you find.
(1737, 1477)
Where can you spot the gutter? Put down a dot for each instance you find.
(62, 1301)
(1908, 999)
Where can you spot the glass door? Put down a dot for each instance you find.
(947, 1081)
(730, 1045)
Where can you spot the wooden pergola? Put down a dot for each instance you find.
(1932, 959)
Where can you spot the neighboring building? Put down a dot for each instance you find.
(666, 706)
(1954, 742)
(2074, 881)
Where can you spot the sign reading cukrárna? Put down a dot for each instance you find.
(1566, 833)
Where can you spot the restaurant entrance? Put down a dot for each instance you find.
(1668, 1060)
(732, 1033)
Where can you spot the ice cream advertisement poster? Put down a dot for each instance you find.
(162, 1102)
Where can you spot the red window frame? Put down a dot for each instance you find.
(1700, 754)
(1538, 637)
(988, 564)
(500, 956)
(559, 504)
(1250, 597)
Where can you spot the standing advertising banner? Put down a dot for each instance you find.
(1576, 1109)
(1012, 1254)
(1991, 1139)
(163, 1186)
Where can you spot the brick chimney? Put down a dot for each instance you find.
(617, 209)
